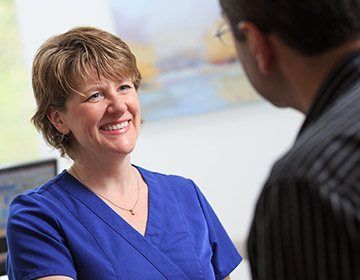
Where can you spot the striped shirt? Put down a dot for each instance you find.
(307, 219)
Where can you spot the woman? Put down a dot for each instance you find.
(105, 218)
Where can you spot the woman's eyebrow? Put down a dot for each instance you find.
(93, 88)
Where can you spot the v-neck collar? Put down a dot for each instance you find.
(155, 207)
(146, 245)
(88, 197)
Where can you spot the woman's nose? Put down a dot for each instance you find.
(117, 105)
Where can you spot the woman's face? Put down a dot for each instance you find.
(106, 120)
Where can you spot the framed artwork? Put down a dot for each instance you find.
(185, 68)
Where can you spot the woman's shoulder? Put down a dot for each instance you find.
(33, 198)
(160, 176)
(35, 207)
(175, 183)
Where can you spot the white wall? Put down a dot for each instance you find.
(40, 19)
(227, 153)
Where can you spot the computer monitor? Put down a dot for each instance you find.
(15, 180)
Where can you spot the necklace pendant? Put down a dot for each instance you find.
(132, 212)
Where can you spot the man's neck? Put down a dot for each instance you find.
(307, 73)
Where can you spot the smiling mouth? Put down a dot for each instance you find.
(112, 127)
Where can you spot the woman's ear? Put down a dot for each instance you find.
(57, 118)
(259, 45)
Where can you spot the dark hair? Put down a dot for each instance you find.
(309, 26)
(63, 62)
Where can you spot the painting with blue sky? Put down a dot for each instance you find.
(185, 69)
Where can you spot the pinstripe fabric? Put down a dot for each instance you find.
(307, 219)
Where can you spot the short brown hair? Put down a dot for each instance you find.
(63, 62)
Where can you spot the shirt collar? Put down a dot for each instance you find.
(334, 85)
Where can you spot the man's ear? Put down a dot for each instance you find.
(259, 46)
(58, 120)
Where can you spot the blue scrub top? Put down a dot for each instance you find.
(62, 228)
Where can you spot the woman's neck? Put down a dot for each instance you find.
(105, 175)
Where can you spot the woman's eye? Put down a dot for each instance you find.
(96, 96)
(124, 87)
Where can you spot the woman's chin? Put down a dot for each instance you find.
(124, 149)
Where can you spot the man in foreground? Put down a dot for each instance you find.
(306, 55)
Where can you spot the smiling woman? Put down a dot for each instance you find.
(16, 103)
(105, 118)
(105, 218)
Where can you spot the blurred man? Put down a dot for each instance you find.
(306, 55)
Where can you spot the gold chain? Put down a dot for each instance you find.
(131, 210)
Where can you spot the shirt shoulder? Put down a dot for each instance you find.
(34, 201)
(174, 183)
(34, 229)
(330, 146)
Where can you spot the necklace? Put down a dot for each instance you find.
(131, 210)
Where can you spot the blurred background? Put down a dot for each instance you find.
(202, 118)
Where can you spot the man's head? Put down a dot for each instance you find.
(309, 26)
(273, 36)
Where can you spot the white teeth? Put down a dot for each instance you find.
(112, 127)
